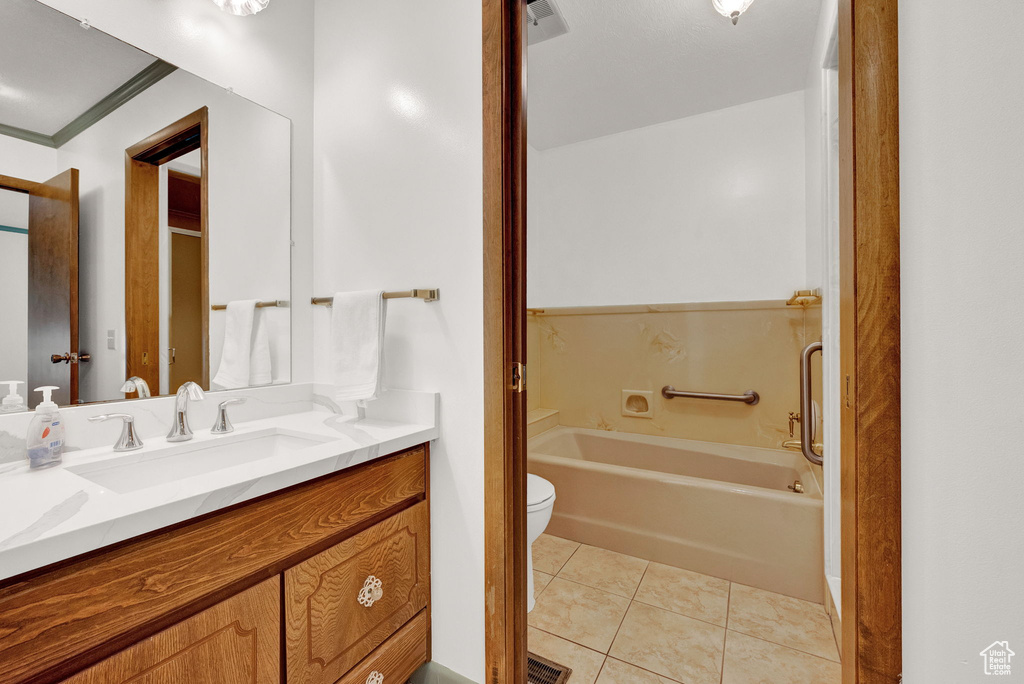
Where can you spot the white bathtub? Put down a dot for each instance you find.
(717, 509)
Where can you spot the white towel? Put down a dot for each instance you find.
(259, 357)
(235, 358)
(357, 344)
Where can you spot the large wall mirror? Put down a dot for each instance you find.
(144, 220)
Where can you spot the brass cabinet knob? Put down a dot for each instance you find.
(372, 591)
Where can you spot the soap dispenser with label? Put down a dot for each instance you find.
(13, 401)
(45, 440)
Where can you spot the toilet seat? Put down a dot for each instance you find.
(539, 493)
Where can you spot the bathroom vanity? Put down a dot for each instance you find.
(324, 581)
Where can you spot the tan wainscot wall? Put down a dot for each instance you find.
(581, 359)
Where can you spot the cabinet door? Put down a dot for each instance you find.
(346, 601)
(237, 641)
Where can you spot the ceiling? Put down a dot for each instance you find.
(52, 70)
(627, 64)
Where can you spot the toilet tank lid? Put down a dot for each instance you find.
(538, 490)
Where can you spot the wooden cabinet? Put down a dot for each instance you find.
(343, 603)
(395, 660)
(202, 602)
(237, 641)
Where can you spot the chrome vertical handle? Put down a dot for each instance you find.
(806, 407)
(129, 439)
(223, 424)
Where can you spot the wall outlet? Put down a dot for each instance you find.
(638, 403)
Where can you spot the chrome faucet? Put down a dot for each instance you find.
(180, 431)
(136, 384)
(129, 440)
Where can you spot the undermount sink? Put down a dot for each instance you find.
(141, 470)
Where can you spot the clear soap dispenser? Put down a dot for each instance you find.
(13, 401)
(45, 440)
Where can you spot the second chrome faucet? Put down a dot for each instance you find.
(180, 431)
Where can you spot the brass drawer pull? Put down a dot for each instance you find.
(371, 592)
(375, 677)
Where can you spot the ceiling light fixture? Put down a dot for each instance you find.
(730, 8)
(242, 8)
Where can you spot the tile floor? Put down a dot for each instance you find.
(615, 619)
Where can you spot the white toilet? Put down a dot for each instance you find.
(540, 501)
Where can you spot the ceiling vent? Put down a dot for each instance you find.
(544, 21)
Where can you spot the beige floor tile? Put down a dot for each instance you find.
(540, 580)
(686, 592)
(590, 617)
(671, 645)
(755, 661)
(618, 672)
(551, 553)
(584, 663)
(606, 570)
(782, 620)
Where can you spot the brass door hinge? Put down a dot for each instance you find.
(519, 377)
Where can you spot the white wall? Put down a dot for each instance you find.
(961, 152)
(13, 294)
(398, 205)
(248, 213)
(706, 208)
(267, 58)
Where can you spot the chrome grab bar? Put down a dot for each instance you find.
(749, 397)
(806, 408)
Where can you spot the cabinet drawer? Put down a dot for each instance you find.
(396, 659)
(343, 603)
(237, 641)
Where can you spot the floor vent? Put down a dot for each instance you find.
(543, 671)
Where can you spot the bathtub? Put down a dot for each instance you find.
(716, 509)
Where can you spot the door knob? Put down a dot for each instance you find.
(71, 357)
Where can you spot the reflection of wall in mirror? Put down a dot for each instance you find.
(13, 276)
(249, 209)
(31, 162)
(701, 209)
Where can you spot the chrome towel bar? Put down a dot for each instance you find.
(424, 294)
(259, 305)
(749, 397)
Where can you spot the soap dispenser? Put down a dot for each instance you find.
(45, 440)
(13, 401)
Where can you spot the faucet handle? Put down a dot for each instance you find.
(129, 440)
(223, 424)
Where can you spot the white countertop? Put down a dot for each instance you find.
(51, 515)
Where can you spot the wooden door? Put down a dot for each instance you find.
(237, 641)
(53, 286)
(185, 322)
(142, 237)
(343, 603)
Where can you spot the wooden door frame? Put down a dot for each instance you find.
(869, 311)
(142, 224)
(504, 194)
(870, 320)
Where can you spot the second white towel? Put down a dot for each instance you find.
(357, 344)
(245, 358)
